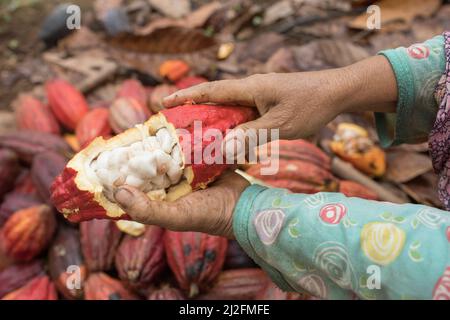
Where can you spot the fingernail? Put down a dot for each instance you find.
(124, 196)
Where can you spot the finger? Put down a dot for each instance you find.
(219, 92)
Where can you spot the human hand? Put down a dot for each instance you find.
(209, 211)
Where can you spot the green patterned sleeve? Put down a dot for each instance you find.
(335, 247)
(417, 70)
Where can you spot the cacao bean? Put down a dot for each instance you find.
(100, 286)
(94, 124)
(39, 288)
(9, 169)
(18, 275)
(32, 114)
(236, 257)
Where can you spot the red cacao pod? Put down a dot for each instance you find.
(174, 70)
(72, 141)
(16, 201)
(24, 184)
(32, 114)
(99, 242)
(80, 197)
(159, 92)
(195, 258)
(140, 260)
(45, 168)
(236, 257)
(28, 232)
(39, 288)
(125, 113)
(188, 82)
(100, 286)
(166, 292)
(18, 275)
(9, 169)
(66, 102)
(26, 144)
(94, 124)
(63, 255)
(272, 292)
(237, 284)
(354, 189)
(132, 88)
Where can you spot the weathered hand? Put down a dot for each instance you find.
(209, 211)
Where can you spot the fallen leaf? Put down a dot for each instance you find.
(172, 8)
(404, 166)
(279, 10)
(283, 60)
(260, 48)
(423, 189)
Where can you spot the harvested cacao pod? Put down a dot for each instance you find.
(272, 292)
(5, 261)
(24, 183)
(140, 260)
(100, 286)
(132, 88)
(352, 143)
(237, 284)
(94, 124)
(153, 157)
(158, 94)
(64, 254)
(32, 114)
(66, 102)
(45, 168)
(236, 257)
(190, 81)
(16, 201)
(195, 259)
(28, 232)
(354, 189)
(72, 141)
(9, 169)
(26, 144)
(166, 292)
(17, 275)
(125, 113)
(39, 288)
(174, 70)
(99, 242)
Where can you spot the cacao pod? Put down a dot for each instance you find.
(188, 82)
(31, 114)
(174, 70)
(5, 261)
(236, 257)
(28, 232)
(166, 292)
(237, 284)
(16, 201)
(39, 288)
(24, 184)
(140, 260)
(94, 124)
(9, 169)
(354, 189)
(72, 141)
(99, 242)
(18, 275)
(65, 252)
(132, 88)
(45, 168)
(195, 258)
(100, 286)
(66, 102)
(125, 113)
(26, 144)
(79, 196)
(272, 292)
(159, 92)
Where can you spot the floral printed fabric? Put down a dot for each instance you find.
(334, 247)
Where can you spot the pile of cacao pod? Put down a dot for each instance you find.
(45, 257)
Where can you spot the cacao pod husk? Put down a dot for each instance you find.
(39, 288)
(236, 257)
(14, 202)
(354, 189)
(32, 114)
(159, 92)
(94, 124)
(174, 70)
(125, 113)
(9, 169)
(17, 275)
(100, 286)
(132, 88)
(166, 292)
(195, 259)
(99, 242)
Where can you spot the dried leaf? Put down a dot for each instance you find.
(172, 8)
(260, 48)
(404, 166)
(279, 10)
(423, 189)
(283, 60)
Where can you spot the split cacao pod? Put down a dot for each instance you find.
(9, 169)
(174, 70)
(39, 288)
(26, 144)
(140, 260)
(99, 242)
(158, 94)
(94, 124)
(32, 114)
(125, 113)
(166, 292)
(100, 286)
(65, 253)
(79, 197)
(237, 284)
(17, 275)
(132, 88)
(28, 232)
(272, 292)
(189, 81)
(66, 102)
(195, 259)
(354, 189)
(236, 257)
(16, 201)
(45, 168)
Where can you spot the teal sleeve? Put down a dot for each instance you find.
(335, 247)
(417, 70)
